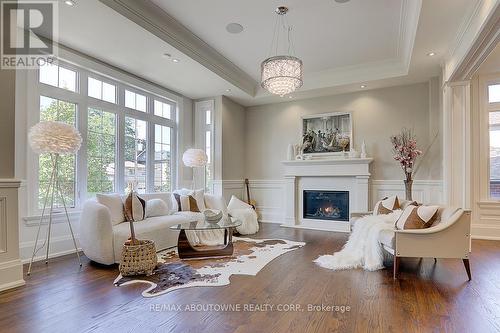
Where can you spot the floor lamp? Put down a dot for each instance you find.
(54, 138)
(194, 158)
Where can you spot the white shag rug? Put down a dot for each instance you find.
(363, 249)
(250, 256)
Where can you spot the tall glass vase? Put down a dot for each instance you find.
(408, 186)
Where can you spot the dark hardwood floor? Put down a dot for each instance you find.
(428, 297)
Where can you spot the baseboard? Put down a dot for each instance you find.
(11, 274)
(13, 284)
(59, 246)
(485, 231)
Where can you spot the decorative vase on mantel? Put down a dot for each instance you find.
(408, 189)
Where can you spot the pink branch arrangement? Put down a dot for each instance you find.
(404, 147)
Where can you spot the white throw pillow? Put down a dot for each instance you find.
(248, 217)
(115, 205)
(156, 207)
(236, 203)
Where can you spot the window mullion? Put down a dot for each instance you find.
(150, 147)
(120, 144)
(81, 161)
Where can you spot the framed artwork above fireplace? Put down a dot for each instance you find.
(327, 134)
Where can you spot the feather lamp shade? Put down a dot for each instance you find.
(54, 137)
(194, 158)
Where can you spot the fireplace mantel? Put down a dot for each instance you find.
(342, 174)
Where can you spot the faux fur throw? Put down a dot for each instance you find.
(363, 248)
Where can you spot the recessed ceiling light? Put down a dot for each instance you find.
(228, 90)
(175, 60)
(234, 28)
(166, 55)
(70, 3)
(341, 1)
(431, 54)
(362, 86)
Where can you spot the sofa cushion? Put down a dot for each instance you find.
(386, 205)
(414, 217)
(166, 197)
(115, 205)
(156, 207)
(153, 228)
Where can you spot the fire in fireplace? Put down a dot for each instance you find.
(326, 205)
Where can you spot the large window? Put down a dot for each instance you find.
(162, 159)
(135, 152)
(52, 109)
(494, 128)
(101, 151)
(128, 134)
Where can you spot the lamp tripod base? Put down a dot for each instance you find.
(53, 190)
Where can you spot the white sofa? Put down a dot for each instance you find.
(102, 241)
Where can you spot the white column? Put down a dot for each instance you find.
(290, 200)
(456, 144)
(11, 268)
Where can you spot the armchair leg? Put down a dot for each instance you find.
(467, 268)
(396, 267)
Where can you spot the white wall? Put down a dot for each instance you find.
(233, 140)
(377, 114)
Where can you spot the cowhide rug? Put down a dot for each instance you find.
(249, 257)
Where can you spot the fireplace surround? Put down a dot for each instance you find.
(350, 175)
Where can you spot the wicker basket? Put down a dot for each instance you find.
(138, 259)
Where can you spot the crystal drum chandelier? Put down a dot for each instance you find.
(281, 74)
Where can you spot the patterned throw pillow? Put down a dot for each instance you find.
(135, 207)
(186, 203)
(386, 205)
(417, 217)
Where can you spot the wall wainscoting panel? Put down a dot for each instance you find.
(3, 224)
(487, 221)
(424, 191)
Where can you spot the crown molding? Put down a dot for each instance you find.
(155, 20)
(478, 35)
(408, 25)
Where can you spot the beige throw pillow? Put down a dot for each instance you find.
(135, 207)
(417, 217)
(386, 205)
(186, 203)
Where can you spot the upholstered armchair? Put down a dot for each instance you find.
(448, 237)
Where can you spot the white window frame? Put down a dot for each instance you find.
(484, 130)
(200, 139)
(89, 68)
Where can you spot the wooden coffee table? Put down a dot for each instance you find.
(187, 251)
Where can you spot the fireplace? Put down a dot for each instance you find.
(326, 205)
